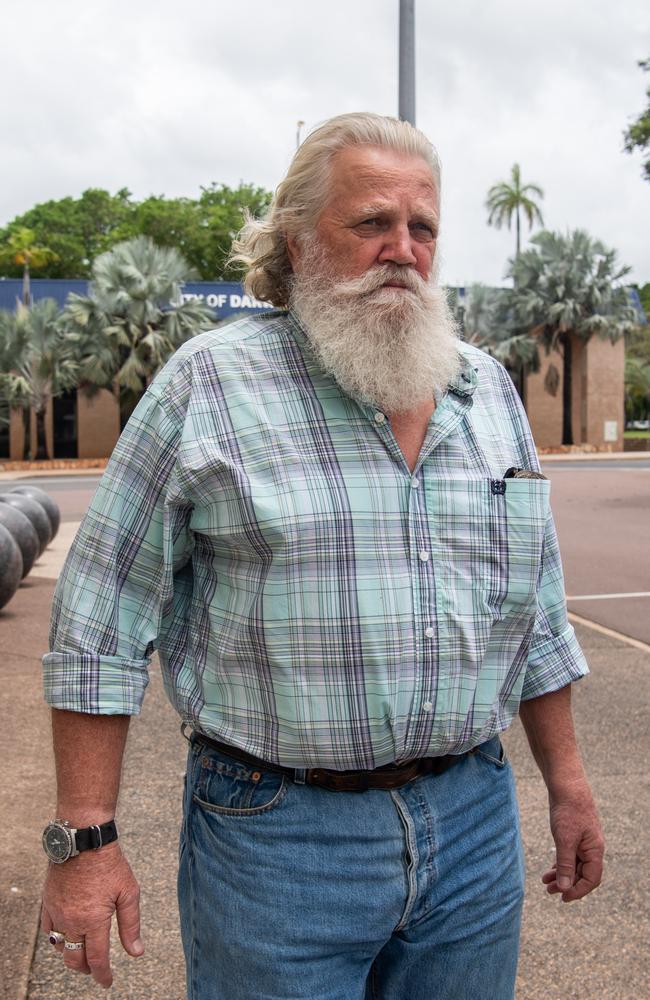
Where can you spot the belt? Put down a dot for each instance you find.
(388, 776)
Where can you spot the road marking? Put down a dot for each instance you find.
(612, 633)
(609, 597)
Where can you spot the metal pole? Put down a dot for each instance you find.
(407, 60)
(299, 126)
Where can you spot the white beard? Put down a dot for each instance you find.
(388, 347)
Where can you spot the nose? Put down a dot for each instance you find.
(398, 246)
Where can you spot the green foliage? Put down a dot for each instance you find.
(125, 330)
(21, 250)
(637, 135)
(637, 389)
(78, 230)
(505, 200)
(570, 286)
(37, 360)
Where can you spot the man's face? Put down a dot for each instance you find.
(382, 209)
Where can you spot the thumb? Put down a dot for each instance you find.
(128, 921)
(565, 867)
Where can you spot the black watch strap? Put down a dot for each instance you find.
(93, 837)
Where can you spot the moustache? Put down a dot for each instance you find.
(378, 277)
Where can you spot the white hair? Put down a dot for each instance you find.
(261, 246)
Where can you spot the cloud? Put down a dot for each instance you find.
(164, 98)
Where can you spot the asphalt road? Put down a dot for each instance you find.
(602, 512)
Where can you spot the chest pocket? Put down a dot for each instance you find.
(488, 537)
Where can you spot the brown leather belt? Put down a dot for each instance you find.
(388, 776)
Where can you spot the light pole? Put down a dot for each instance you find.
(299, 125)
(407, 60)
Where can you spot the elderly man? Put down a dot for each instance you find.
(330, 522)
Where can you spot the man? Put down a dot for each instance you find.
(331, 524)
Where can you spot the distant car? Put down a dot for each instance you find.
(638, 425)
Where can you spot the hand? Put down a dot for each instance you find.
(79, 899)
(579, 843)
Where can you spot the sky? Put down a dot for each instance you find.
(163, 98)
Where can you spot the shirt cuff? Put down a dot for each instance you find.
(553, 663)
(83, 682)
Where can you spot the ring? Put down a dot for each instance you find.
(74, 945)
(55, 937)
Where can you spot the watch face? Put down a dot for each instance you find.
(57, 842)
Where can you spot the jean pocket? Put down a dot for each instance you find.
(226, 786)
(493, 752)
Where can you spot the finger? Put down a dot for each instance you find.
(590, 874)
(75, 959)
(98, 944)
(565, 865)
(128, 921)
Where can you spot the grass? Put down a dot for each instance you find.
(636, 434)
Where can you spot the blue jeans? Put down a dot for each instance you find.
(288, 890)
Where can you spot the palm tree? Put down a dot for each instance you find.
(134, 317)
(21, 248)
(507, 199)
(486, 320)
(39, 360)
(565, 287)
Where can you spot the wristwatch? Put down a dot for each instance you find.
(62, 842)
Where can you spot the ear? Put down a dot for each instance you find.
(294, 251)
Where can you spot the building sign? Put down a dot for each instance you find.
(225, 298)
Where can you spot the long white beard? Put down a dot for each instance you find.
(388, 347)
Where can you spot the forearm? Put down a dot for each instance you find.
(88, 751)
(548, 723)
(574, 820)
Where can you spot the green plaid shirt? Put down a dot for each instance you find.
(313, 602)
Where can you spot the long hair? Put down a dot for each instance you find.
(261, 245)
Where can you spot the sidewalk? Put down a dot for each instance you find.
(597, 948)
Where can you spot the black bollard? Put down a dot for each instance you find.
(11, 566)
(49, 505)
(23, 533)
(33, 510)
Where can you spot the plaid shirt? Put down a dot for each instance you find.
(313, 602)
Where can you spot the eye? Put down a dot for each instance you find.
(369, 224)
(423, 231)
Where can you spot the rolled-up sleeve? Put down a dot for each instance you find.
(118, 577)
(555, 658)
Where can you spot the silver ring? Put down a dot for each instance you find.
(55, 937)
(74, 945)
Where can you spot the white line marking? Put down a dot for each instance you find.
(608, 597)
(637, 643)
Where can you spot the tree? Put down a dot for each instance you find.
(22, 250)
(485, 317)
(637, 389)
(78, 230)
(134, 317)
(507, 199)
(637, 135)
(38, 360)
(565, 287)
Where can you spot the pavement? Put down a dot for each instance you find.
(595, 948)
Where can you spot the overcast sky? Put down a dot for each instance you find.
(163, 97)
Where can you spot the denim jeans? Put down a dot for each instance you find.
(288, 890)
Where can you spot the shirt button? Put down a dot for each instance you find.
(429, 632)
(427, 706)
(379, 417)
(424, 555)
(415, 482)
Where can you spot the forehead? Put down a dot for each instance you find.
(364, 174)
